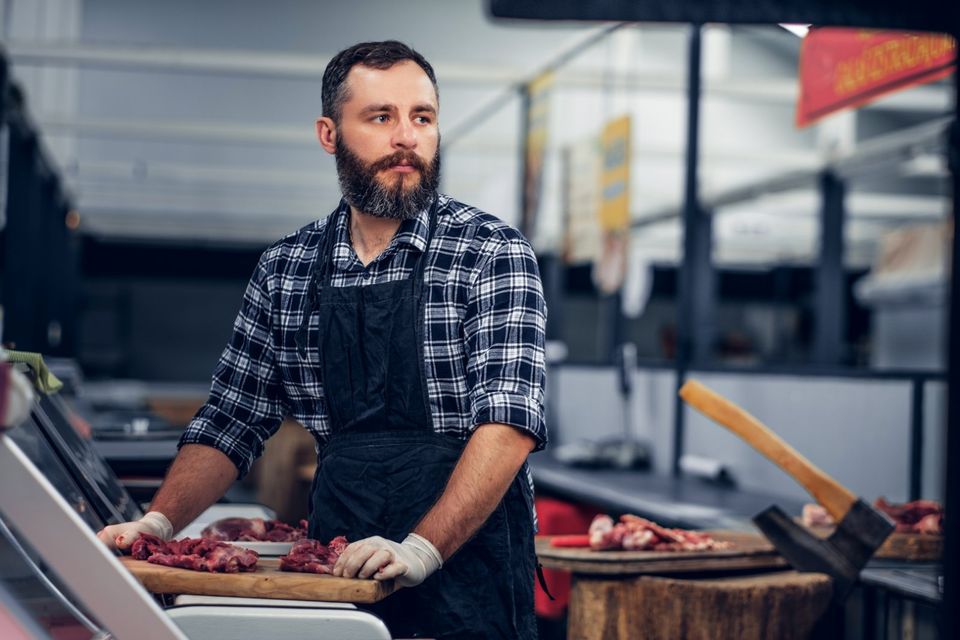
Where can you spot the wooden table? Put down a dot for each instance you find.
(738, 594)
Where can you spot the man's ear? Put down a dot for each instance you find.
(327, 134)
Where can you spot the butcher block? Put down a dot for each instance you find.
(745, 592)
(266, 582)
(748, 551)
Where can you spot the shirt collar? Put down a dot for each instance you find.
(412, 232)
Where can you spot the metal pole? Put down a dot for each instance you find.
(950, 607)
(24, 323)
(486, 110)
(703, 286)
(4, 79)
(61, 269)
(830, 317)
(692, 242)
(916, 437)
(524, 217)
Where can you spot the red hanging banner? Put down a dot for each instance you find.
(846, 68)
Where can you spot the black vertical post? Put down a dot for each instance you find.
(4, 79)
(61, 267)
(703, 285)
(524, 219)
(555, 264)
(553, 281)
(24, 322)
(830, 311)
(916, 437)
(696, 247)
(950, 607)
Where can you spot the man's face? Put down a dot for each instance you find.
(387, 144)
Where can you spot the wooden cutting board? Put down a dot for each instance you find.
(749, 551)
(266, 582)
(913, 547)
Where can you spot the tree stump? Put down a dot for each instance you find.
(784, 605)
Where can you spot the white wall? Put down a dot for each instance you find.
(589, 407)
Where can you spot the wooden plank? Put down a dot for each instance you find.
(914, 547)
(749, 551)
(266, 582)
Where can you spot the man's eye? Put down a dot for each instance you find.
(381, 118)
(423, 119)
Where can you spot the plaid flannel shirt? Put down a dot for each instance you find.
(484, 335)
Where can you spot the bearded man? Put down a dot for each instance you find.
(405, 331)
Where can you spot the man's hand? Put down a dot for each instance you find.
(410, 562)
(121, 536)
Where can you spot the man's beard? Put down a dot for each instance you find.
(365, 192)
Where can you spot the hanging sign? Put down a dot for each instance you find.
(847, 68)
(538, 94)
(581, 187)
(615, 175)
(614, 212)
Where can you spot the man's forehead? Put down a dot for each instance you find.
(403, 79)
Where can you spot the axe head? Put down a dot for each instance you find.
(841, 556)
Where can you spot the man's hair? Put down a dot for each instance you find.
(377, 55)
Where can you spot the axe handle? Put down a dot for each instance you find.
(836, 498)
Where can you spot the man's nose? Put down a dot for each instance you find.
(404, 135)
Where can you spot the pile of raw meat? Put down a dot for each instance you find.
(814, 515)
(634, 533)
(919, 516)
(198, 554)
(254, 529)
(312, 556)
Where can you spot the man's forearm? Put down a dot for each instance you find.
(198, 477)
(489, 463)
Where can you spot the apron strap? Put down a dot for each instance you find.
(543, 581)
(324, 257)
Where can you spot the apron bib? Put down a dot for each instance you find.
(384, 466)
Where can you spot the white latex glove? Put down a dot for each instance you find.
(121, 536)
(20, 399)
(410, 562)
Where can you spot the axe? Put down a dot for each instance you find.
(861, 528)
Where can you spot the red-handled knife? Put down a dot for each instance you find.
(573, 540)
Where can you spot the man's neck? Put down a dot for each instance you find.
(370, 235)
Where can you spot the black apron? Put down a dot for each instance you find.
(384, 466)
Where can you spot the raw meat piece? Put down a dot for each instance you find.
(638, 540)
(634, 533)
(254, 529)
(919, 516)
(312, 556)
(815, 515)
(570, 540)
(337, 545)
(931, 524)
(197, 554)
(604, 534)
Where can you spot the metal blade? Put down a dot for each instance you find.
(806, 552)
(861, 532)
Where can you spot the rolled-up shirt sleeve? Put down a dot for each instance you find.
(505, 330)
(246, 402)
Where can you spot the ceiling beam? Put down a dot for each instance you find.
(931, 98)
